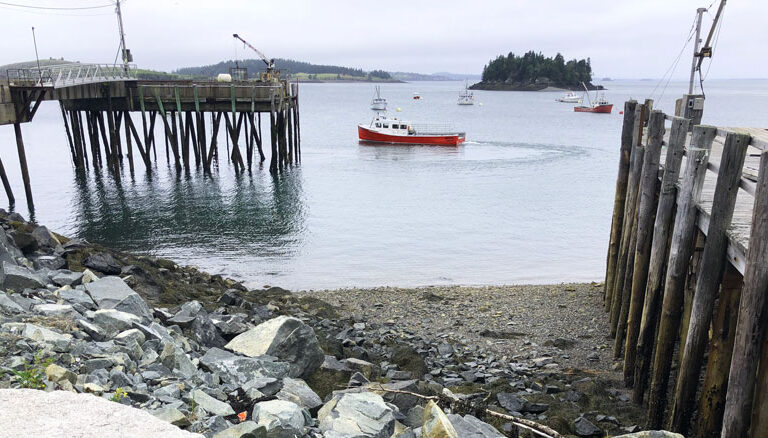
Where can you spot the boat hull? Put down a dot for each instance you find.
(602, 109)
(379, 106)
(369, 135)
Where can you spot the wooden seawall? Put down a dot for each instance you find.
(98, 113)
(687, 273)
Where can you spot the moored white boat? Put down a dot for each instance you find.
(383, 129)
(569, 97)
(378, 103)
(466, 97)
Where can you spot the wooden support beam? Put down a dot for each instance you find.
(104, 140)
(23, 164)
(128, 142)
(709, 277)
(69, 134)
(635, 172)
(259, 138)
(680, 252)
(712, 400)
(662, 230)
(215, 121)
(143, 151)
(273, 139)
(649, 183)
(751, 326)
(6, 185)
(170, 133)
(759, 425)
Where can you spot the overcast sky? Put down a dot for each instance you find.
(624, 38)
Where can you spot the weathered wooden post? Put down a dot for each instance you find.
(680, 252)
(709, 277)
(759, 423)
(618, 201)
(646, 215)
(712, 399)
(128, 142)
(751, 326)
(635, 171)
(661, 234)
(6, 184)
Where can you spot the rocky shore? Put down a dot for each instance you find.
(89, 335)
(538, 85)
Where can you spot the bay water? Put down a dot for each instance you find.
(527, 199)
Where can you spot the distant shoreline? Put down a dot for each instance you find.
(504, 86)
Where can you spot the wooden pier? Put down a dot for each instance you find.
(687, 272)
(99, 105)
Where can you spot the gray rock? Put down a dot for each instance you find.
(131, 335)
(114, 321)
(230, 324)
(239, 369)
(76, 296)
(93, 330)
(652, 434)
(210, 404)
(45, 239)
(55, 310)
(8, 251)
(52, 262)
(186, 314)
(7, 305)
(584, 427)
(511, 402)
(282, 419)
(357, 415)
(297, 391)
(404, 402)
(260, 388)
(59, 341)
(103, 262)
(246, 429)
(204, 332)
(101, 363)
(175, 359)
(19, 278)
(173, 391)
(285, 337)
(113, 293)
(173, 416)
(65, 277)
(471, 427)
(357, 380)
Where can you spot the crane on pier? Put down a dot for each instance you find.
(270, 75)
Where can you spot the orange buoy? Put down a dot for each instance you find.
(621, 112)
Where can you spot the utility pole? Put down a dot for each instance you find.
(127, 57)
(699, 13)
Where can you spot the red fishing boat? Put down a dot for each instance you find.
(600, 105)
(383, 129)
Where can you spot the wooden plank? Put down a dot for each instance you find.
(708, 280)
(751, 326)
(662, 230)
(680, 252)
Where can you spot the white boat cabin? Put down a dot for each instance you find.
(392, 126)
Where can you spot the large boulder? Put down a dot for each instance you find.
(28, 412)
(113, 293)
(18, 278)
(8, 250)
(239, 370)
(356, 415)
(471, 427)
(45, 239)
(282, 419)
(436, 423)
(113, 321)
(332, 375)
(175, 359)
(7, 305)
(286, 338)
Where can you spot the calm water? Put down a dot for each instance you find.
(527, 199)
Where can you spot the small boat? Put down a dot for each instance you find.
(600, 105)
(416, 96)
(569, 97)
(466, 97)
(383, 129)
(378, 103)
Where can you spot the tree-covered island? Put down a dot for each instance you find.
(533, 72)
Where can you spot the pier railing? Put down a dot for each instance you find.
(688, 265)
(65, 75)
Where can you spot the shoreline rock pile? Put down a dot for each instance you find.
(75, 317)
